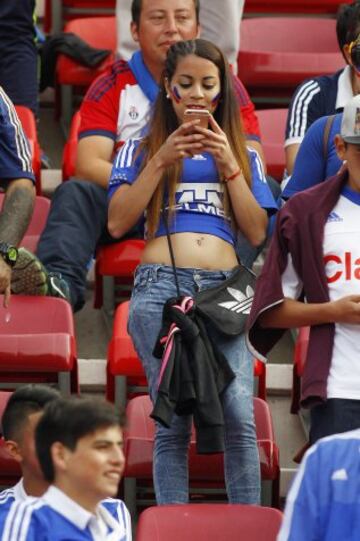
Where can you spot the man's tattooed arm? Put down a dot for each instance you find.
(17, 211)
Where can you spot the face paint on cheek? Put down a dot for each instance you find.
(175, 94)
(216, 99)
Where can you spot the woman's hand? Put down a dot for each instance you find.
(184, 142)
(216, 142)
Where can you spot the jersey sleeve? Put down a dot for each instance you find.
(259, 185)
(304, 109)
(125, 167)
(15, 155)
(22, 524)
(247, 110)
(309, 168)
(99, 109)
(301, 517)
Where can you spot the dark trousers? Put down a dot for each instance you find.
(75, 226)
(334, 416)
(19, 74)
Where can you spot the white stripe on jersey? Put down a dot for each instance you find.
(5, 495)
(22, 147)
(300, 108)
(126, 154)
(18, 519)
(258, 164)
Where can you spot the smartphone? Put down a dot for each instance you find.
(202, 114)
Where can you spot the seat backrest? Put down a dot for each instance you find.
(39, 217)
(28, 122)
(70, 148)
(272, 124)
(36, 315)
(209, 522)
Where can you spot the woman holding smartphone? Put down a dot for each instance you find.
(211, 186)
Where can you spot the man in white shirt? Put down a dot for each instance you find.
(80, 449)
(21, 415)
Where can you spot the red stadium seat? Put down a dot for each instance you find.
(120, 261)
(70, 148)
(37, 343)
(123, 362)
(306, 7)
(300, 354)
(272, 128)
(277, 54)
(27, 119)
(100, 33)
(74, 9)
(204, 469)
(209, 522)
(9, 469)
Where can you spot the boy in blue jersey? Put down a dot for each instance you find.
(323, 502)
(21, 415)
(79, 446)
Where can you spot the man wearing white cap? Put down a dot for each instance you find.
(315, 255)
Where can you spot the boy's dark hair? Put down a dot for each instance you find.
(22, 403)
(136, 7)
(348, 23)
(67, 421)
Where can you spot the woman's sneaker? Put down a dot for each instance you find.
(30, 277)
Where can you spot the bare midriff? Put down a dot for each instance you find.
(192, 250)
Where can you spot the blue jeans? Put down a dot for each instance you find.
(154, 284)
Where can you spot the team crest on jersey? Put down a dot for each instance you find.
(133, 112)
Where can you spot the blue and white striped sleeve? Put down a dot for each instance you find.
(303, 111)
(125, 167)
(301, 516)
(15, 155)
(20, 523)
(259, 185)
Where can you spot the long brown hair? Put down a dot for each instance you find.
(164, 121)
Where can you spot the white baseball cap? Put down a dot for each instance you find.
(350, 125)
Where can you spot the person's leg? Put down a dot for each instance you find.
(220, 23)
(77, 219)
(170, 463)
(336, 415)
(18, 74)
(242, 467)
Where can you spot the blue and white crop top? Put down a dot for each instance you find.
(199, 194)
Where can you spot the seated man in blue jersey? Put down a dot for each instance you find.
(21, 415)
(79, 444)
(323, 502)
(317, 158)
(326, 94)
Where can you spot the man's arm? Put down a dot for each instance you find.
(93, 161)
(14, 220)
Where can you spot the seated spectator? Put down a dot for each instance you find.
(323, 502)
(79, 445)
(116, 108)
(219, 25)
(201, 176)
(326, 94)
(19, 56)
(314, 255)
(21, 415)
(17, 180)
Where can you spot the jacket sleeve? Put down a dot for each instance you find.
(301, 518)
(268, 289)
(305, 108)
